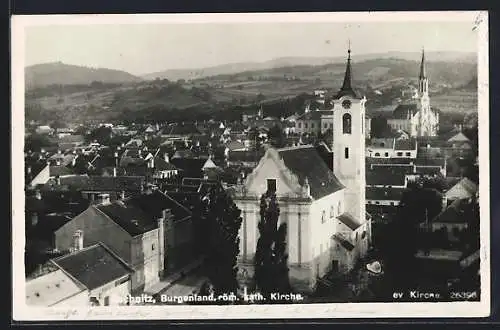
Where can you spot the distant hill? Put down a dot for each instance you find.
(234, 68)
(58, 73)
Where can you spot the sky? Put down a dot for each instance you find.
(146, 48)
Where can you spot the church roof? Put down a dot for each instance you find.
(304, 162)
(402, 110)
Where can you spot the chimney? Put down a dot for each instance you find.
(38, 195)
(122, 194)
(78, 240)
(58, 180)
(165, 158)
(58, 162)
(59, 152)
(28, 170)
(104, 199)
(73, 161)
(114, 171)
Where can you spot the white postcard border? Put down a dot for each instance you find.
(21, 312)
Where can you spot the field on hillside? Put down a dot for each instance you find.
(462, 101)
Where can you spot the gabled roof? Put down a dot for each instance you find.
(93, 266)
(348, 220)
(459, 137)
(464, 188)
(154, 203)
(457, 212)
(161, 165)
(234, 145)
(128, 216)
(305, 161)
(209, 164)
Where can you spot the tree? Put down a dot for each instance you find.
(223, 225)
(277, 136)
(271, 269)
(101, 134)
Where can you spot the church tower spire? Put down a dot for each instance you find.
(422, 66)
(423, 83)
(346, 88)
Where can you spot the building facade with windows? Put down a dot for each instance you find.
(328, 228)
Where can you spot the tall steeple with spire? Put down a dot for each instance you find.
(423, 83)
(346, 88)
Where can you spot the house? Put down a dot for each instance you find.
(104, 275)
(55, 288)
(162, 167)
(463, 189)
(150, 232)
(392, 148)
(37, 173)
(454, 219)
(44, 129)
(384, 196)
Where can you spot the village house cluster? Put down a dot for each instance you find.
(108, 219)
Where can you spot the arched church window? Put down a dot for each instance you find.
(346, 123)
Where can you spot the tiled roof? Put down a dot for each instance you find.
(71, 139)
(381, 194)
(154, 203)
(427, 170)
(131, 218)
(430, 161)
(314, 115)
(245, 156)
(161, 165)
(305, 162)
(457, 212)
(381, 143)
(348, 220)
(387, 175)
(405, 144)
(51, 288)
(388, 161)
(100, 183)
(191, 166)
(181, 129)
(94, 266)
(402, 110)
(234, 145)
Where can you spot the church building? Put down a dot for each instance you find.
(328, 227)
(416, 117)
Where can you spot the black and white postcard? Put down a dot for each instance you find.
(236, 166)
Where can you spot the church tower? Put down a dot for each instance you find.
(349, 144)
(425, 121)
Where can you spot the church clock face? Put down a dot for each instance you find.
(346, 104)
